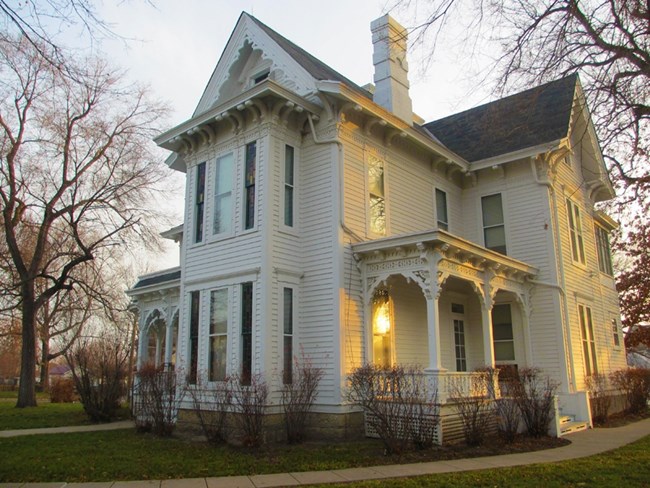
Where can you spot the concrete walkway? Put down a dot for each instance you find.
(124, 424)
(586, 443)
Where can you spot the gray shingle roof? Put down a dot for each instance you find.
(314, 66)
(527, 119)
(157, 280)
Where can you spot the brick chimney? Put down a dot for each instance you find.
(391, 69)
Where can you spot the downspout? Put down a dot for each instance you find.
(560, 263)
(334, 140)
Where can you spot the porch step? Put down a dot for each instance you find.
(565, 419)
(572, 426)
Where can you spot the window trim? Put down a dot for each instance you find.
(369, 229)
(502, 224)
(576, 233)
(445, 225)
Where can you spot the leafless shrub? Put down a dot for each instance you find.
(211, 405)
(396, 405)
(298, 396)
(99, 373)
(635, 384)
(62, 390)
(249, 402)
(599, 397)
(474, 405)
(534, 394)
(157, 400)
(506, 409)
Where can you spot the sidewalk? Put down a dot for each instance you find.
(586, 443)
(124, 424)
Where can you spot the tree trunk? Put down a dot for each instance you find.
(27, 388)
(45, 363)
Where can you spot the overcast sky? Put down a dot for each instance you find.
(174, 46)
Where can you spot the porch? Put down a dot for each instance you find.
(447, 306)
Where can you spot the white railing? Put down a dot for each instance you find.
(453, 384)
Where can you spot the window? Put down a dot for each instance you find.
(195, 306)
(246, 332)
(604, 253)
(249, 185)
(222, 220)
(260, 77)
(457, 308)
(288, 185)
(218, 335)
(287, 319)
(459, 343)
(588, 343)
(575, 230)
(382, 336)
(441, 210)
(615, 333)
(494, 231)
(200, 201)
(376, 199)
(504, 342)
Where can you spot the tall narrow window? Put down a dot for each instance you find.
(459, 344)
(494, 231)
(441, 210)
(287, 303)
(504, 342)
(615, 332)
(376, 198)
(222, 221)
(382, 328)
(200, 201)
(249, 185)
(218, 339)
(575, 230)
(588, 342)
(195, 307)
(246, 332)
(288, 185)
(604, 252)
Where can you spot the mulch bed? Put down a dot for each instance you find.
(621, 419)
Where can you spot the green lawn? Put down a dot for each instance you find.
(126, 455)
(45, 415)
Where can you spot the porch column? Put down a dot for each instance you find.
(433, 331)
(488, 338)
(158, 345)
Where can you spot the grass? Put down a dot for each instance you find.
(13, 395)
(126, 455)
(45, 415)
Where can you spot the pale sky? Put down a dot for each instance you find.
(174, 46)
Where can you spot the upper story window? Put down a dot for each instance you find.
(604, 252)
(494, 231)
(223, 204)
(199, 203)
(575, 231)
(218, 335)
(249, 185)
(376, 197)
(289, 185)
(441, 210)
(615, 333)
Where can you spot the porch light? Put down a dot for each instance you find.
(381, 322)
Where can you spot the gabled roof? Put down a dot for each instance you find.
(312, 65)
(531, 118)
(158, 279)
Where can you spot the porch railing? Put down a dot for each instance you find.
(453, 384)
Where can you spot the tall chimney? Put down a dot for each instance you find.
(391, 69)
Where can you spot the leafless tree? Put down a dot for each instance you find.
(76, 167)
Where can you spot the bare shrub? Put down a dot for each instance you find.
(474, 403)
(534, 394)
(157, 400)
(506, 409)
(211, 405)
(62, 390)
(298, 397)
(99, 370)
(635, 384)
(249, 402)
(395, 403)
(599, 397)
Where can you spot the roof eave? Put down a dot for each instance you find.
(341, 90)
(515, 155)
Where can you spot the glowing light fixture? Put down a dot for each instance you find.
(382, 319)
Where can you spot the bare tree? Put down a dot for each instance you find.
(76, 167)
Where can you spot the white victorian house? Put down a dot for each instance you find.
(328, 220)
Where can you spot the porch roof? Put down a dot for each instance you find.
(449, 245)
